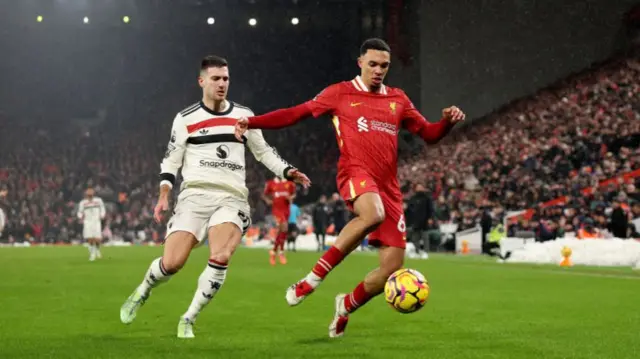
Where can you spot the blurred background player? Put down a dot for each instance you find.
(279, 194)
(367, 116)
(294, 231)
(3, 216)
(91, 212)
(213, 196)
(320, 221)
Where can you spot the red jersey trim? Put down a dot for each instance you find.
(212, 122)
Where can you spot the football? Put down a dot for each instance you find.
(406, 290)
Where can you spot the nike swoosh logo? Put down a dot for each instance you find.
(354, 104)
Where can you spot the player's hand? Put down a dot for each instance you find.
(299, 177)
(453, 114)
(161, 207)
(241, 127)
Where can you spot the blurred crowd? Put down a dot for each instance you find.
(554, 144)
(560, 143)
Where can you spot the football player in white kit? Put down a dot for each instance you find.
(91, 212)
(3, 216)
(213, 196)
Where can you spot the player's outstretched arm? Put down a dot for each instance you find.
(431, 132)
(273, 120)
(272, 160)
(324, 102)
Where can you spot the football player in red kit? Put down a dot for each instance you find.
(367, 116)
(279, 194)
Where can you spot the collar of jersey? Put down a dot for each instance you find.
(216, 113)
(360, 86)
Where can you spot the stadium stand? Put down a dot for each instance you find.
(549, 155)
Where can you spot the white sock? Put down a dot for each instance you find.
(156, 275)
(313, 279)
(209, 283)
(90, 247)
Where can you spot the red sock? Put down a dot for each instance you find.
(357, 298)
(327, 262)
(282, 238)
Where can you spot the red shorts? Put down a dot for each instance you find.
(281, 216)
(392, 231)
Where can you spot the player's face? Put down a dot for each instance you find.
(374, 65)
(215, 83)
(90, 193)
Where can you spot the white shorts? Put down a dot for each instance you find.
(198, 210)
(92, 230)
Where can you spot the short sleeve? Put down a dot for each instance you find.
(325, 101)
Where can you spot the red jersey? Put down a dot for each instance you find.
(366, 125)
(280, 191)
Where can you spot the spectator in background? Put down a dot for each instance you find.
(619, 222)
(320, 215)
(486, 222)
(588, 230)
(338, 213)
(419, 212)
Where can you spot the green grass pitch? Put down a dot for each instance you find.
(56, 304)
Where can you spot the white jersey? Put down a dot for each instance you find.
(91, 211)
(3, 220)
(203, 144)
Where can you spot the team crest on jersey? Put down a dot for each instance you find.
(392, 106)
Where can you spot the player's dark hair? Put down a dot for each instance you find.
(213, 61)
(374, 44)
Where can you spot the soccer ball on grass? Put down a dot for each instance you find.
(406, 290)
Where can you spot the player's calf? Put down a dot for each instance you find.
(391, 259)
(156, 274)
(223, 241)
(176, 252)
(209, 283)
